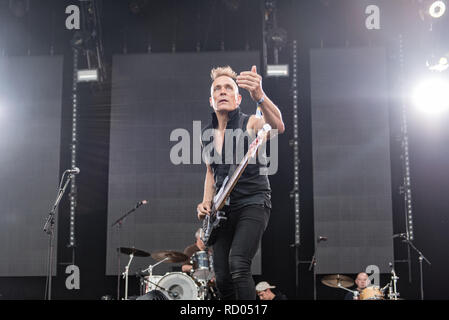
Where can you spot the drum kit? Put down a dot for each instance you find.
(174, 285)
(369, 293)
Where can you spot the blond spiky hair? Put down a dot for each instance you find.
(223, 71)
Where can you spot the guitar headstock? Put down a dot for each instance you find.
(261, 135)
(264, 131)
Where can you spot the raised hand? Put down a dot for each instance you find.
(251, 81)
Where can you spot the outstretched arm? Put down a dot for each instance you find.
(252, 82)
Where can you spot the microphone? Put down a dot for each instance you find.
(321, 238)
(141, 203)
(75, 170)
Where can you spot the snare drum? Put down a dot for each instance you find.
(178, 286)
(371, 293)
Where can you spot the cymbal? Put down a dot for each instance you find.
(333, 280)
(134, 251)
(173, 256)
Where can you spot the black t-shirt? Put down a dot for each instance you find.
(252, 187)
(280, 296)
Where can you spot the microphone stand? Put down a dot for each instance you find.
(49, 229)
(421, 258)
(313, 264)
(119, 223)
(297, 262)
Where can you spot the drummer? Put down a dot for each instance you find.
(192, 249)
(362, 281)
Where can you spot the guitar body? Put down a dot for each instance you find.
(211, 224)
(216, 218)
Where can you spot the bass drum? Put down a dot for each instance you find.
(178, 286)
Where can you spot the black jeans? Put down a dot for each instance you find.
(236, 245)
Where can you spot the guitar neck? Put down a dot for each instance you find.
(232, 182)
(238, 172)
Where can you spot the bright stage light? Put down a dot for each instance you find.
(432, 96)
(440, 65)
(277, 70)
(437, 9)
(87, 75)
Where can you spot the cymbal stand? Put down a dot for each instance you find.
(393, 294)
(119, 223)
(355, 292)
(150, 267)
(125, 275)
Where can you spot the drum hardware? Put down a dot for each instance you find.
(392, 286)
(119, 223)
(131, 252)
(135, 252)
(49, 227)
(337, 281)
(179, 286)
(201, 266)
(313, 262)
(125, 275)
(152, 283)
(170, 256)
(162, 256)
(371, 293)
(340, 281)
(165, 256)
(150, 272)
(354, 292)
(421, 257)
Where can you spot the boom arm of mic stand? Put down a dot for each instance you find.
(50, 219)
(416, 249)
(119, 220)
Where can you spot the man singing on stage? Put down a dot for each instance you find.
(249, 210)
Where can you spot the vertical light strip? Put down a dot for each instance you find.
(295, 142)
(406, 186)
(73, 147)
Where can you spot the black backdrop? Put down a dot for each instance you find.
(314, 24)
